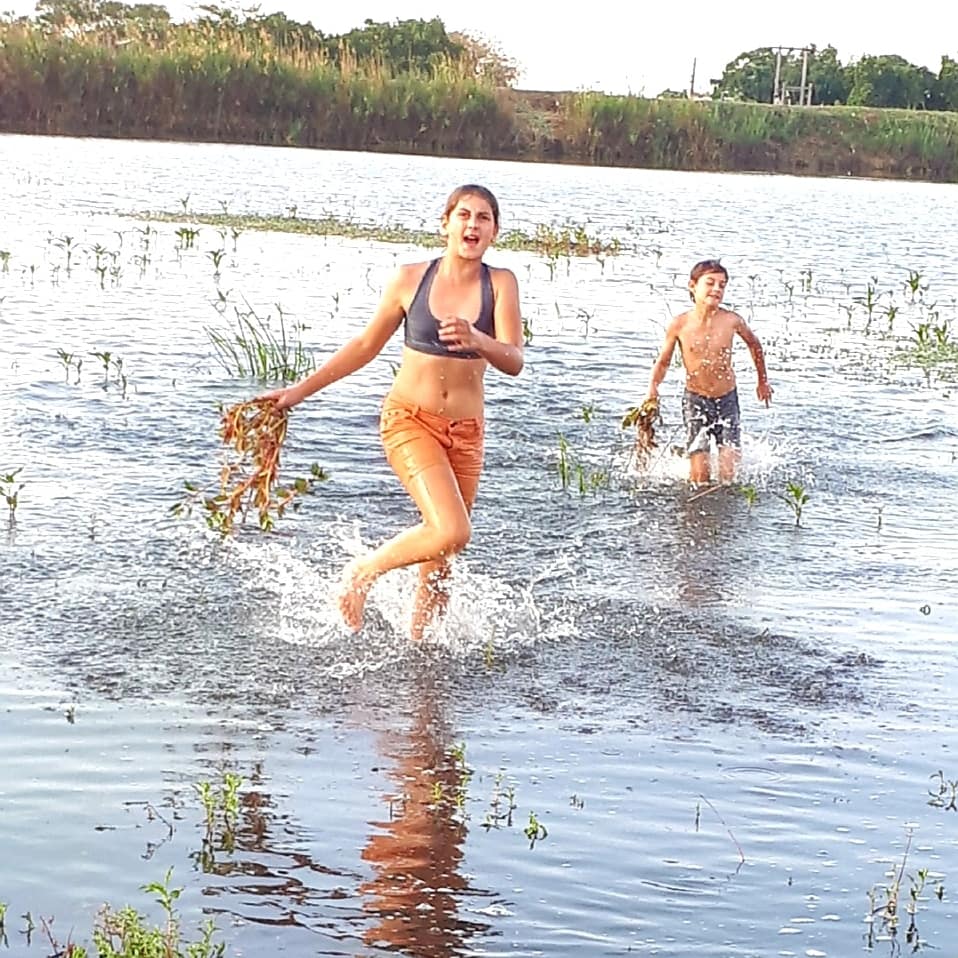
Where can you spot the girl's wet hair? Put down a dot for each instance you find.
(703, 267)
(472, 189)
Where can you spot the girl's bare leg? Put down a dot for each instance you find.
(432, 596)
(445, 529)
(432, 593)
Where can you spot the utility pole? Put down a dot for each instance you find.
(781, 93)
(692, 81)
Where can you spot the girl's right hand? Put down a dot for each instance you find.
(281, 397)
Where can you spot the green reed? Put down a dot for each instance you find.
(257, 347)
(932, 347)
(221, 807)
(795, 497)
(903, 892)
(10, 488)
(535, 831)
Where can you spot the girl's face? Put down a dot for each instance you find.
(709, 288)
(470, 227)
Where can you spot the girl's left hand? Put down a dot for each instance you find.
(458, 335)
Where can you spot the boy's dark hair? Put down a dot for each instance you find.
(706, 266)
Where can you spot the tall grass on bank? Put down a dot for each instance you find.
(686, 134)
(199, 82)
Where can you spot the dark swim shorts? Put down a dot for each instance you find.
(707, 418)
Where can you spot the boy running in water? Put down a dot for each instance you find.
(710, 408)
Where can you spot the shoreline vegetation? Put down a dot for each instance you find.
(208, 81)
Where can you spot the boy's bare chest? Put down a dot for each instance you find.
(706, 344)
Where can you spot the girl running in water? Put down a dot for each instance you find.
(460, 316)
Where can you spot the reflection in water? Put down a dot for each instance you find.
(416, 851)
(709, 565)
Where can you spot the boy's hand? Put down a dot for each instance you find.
(764, 392)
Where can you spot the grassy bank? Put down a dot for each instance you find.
(198, 84)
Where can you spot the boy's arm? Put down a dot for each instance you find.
(763, 390)
(661, 365)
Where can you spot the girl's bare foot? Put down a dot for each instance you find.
(352, 600)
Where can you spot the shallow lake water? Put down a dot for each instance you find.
(656, 720)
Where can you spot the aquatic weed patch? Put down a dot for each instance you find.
(551, 240)
(249, 480)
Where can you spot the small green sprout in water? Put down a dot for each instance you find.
(216, 255)
(10, 488)
(587, 412)
(66, 244)
(187, 236)
(946, 794)
(870, 301)
(749, 493)
(885, 901)
(526, 331)
(70, 361)
(501, 805)
(914, 284)
(221, 804)
(5, 260)
(795, 498)
(105, 358)
(535, 831)
(571, 469)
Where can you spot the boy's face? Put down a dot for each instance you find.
(709, 288)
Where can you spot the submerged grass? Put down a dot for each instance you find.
(552, 240)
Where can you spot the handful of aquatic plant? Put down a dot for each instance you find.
(645, 418)
(255, 430)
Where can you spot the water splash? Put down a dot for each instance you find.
(486, 617)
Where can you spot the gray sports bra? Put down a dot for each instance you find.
(422, 328)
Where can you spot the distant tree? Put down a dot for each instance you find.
(830, 83)
(891, 81)
(406, 45)
(948, 84)
(85, 16)
(750, 76)
(486, 59)
(286, 33)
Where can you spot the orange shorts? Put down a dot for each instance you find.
(415, 439)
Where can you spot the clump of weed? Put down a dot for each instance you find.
(255, 430)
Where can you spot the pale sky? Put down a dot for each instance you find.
(621, 47)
